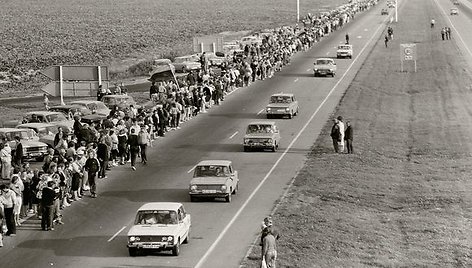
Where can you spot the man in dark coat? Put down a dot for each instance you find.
(48, 198)
(18, 157)
(133, 144)
(348, 136)
(335, 135)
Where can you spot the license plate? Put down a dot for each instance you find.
(281, 110)
(208, 191)
(151, 246)
(35, 154)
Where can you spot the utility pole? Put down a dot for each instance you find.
(298, 11)
(396, 10)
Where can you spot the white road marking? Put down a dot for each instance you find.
(116, 234)
(258, 113)
(232, 136)
(359, 36)
(190, 170)
(455, 30)
(295, 80)
(308, 70)
(236, 215)
(327, 53)
(232, 91)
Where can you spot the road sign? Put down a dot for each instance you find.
(73, 89)
(407, 53)
(208, 44)
(77, 73)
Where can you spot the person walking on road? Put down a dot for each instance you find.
(432, 23)
(386, 40)
(144, 140)
(335, 135)
(133, 144)
(92, 166)
(347, 39)
(269, 248)
(348, 136)
(443, 33)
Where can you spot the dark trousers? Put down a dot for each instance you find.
(103, 168)
(10, 221)
(349, 146)
(143, 152)
(91, 180)
(47, 220)
(336, 145)
(134, 155)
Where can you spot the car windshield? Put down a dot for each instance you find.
(280, 99)
(100, 106)
(44, 131)
(323, 62)
(344, 47)
(24, 134)
(156, 217)
(211, 171)
(56, 117)
(252, 129)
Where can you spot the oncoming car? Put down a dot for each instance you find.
(282, 104)
(214, 179)
(32, 147)
(454, 11)
(384, 11)
(344, 51)
(159, 226)
(187, 63)
(261, 135)
(325, 67)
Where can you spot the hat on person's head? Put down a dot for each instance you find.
(268, 221)
(340, 118)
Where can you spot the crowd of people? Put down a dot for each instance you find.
(86, 153)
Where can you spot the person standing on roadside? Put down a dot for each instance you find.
(92, 166)
(347, 39)
(2, 218)
(48, 198)
(133, 147)
(341, 134)
(103, 154)
(386, 40)
(5, 158)
(448, 33)
(46, 101)
(335, 135)
(144, 140)
(443, 33)
(269, 248)
(18, 157)
(432, 23)
(348, 137)
(8, 200)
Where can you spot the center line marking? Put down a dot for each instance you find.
(295, 80)
(243, 206)
(232, 136)
(308, 70)
(258, 113)
(117, 233)
(190, 170)
(327, 53)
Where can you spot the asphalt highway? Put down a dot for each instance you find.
(94, 234)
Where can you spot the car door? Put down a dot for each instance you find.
(276, 134)
(234, 177)
(184, 224)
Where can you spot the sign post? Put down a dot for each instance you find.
(407, 53)
(208, 44)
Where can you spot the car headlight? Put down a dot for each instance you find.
(316, 69)
(268, 108)
(287, 109)
(331, 70)
(193, 187)
(223, 188)
(164, 238)
(269, 141)
(132, 239)
(170, 238)
(137, 238)
(247, 141)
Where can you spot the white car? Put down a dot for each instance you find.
(324, 67)
(249, 40)
(187, 63)
(454, 11)
(159, 226)
(344, 51)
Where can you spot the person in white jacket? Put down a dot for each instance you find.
(341, 130)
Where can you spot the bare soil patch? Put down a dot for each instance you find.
(403, 199)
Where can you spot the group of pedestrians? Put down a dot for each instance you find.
(446, 33)
(342, 135)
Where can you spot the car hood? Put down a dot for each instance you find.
(324, 66)
(278, 105)
(155, 229)
(209, 180)
(33, 143)
(259, 135)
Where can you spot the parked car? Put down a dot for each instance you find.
(45, 131)
(261, 135)
(214, 179)
(454, 11)
(344, 51)
(325, 67)
(159, 226)
(97, 107)
(187, 63)
(456, 2)
(69, 110)
(54, 118)
(249, 40)
(216, 59)
(384, 11)
(32, 147)
(93, 118)
(122, 102)
(282, 104)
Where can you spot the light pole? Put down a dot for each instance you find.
(298, 11)
(396, 10)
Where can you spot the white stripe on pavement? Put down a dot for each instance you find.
(190, 170)
(232, 136)
(258, 113)
(295, 80)
(117, 233)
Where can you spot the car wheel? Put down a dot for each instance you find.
(40, 159)
(228, 197)
(274, 148)
(246, 149)
(236, 189)
(296, 113)
(176, 248)
(290, 115)
(133, 252)
(188, 237)
(193, 198)
(315, 74)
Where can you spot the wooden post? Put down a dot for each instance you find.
(61, 85)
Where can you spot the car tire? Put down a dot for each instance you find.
(269, 116)
(274, 148)
(296, 113)
(188, 237)
(176, 248)
(290, 115)
(228, 197)
(133, 252)
(235, 191)
(316, 75)
(193, 198)
(246, 149)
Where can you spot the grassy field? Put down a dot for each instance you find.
(119, 33)
(403, 199)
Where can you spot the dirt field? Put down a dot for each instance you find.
(403, 199)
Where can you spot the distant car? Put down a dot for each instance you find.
(97, 107)
(282, 104)
(325, 67)
(93, 118)
(187, 63)
(32, 147)
(454, 11)
(249, 40)
(456, 2)
(261, 135)
(384, 11)
(215, 179)
(391, 5)
(70, 110)
(121, 102)
(344, 51)
(54, 118)
(159, 226)
(46, 132)
(216, 59)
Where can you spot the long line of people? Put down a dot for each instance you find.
(81, 156)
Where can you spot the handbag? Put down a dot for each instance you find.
(4, 229)
(263, 263)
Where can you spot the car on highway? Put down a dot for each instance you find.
(187, 63)
(216, 59)
(282, 104)
(454, 11)
(324, 67)
(261, 135)
(391, 5)
(32, 147)
(120, 102)
(456, 2)
(159, 226)
(249, 40)
(384, 11)
(54, 118)
(69, 110)
(344, 51)
(45, 131)
(214, 179)
(97, 107)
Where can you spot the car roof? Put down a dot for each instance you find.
(214, 162)
(10, 129)
(85, 101)
(43, 112)
(262, 123)
(68, 106)
(35, 125)
(161, 206)
(282, 95)
(324, 59)
(118, 96)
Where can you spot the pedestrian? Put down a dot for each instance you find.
(443, 33)
(335, 135)
(17, 186)
(77, 176)
(144, 140)
(448, 33)
(432, 23)
(386, 40)
(348, 137)
(133, 147)
(341, 134)
(48, 198)
(92, 166)
(8, 200)
(269, 248)
(46, 101)
(2, 224)
(5, 158)
(347, 39)
(18, 156)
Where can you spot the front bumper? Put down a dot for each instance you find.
(343, 54)
(324, 72)
(209, 194)
(278, 111)
(152, 245)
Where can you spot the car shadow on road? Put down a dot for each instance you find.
(307, 74)
(225, 148)
(235, 115)
(150, 195)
